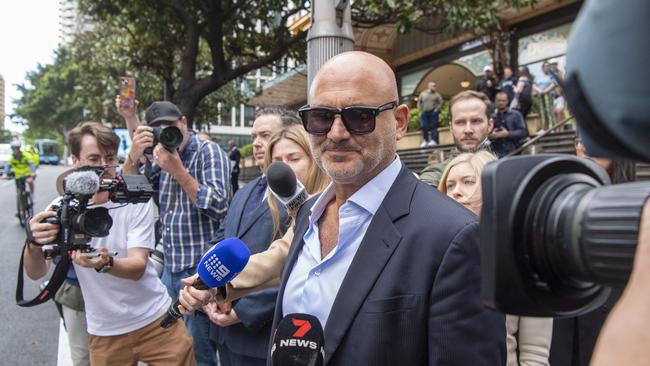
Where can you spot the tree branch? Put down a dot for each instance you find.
(191, 48)
(214, 38)
(276, 54)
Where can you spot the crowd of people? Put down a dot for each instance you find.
(512, 99)
(389, 265)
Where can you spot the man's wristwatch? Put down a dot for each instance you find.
(106, 267)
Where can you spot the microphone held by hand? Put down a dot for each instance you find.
(218, 266)
(298, 341)
(285, 187)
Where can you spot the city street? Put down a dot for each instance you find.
(30, 335)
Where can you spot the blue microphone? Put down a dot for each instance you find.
(217, 267)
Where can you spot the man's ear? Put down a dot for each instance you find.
(75, 160)
(402, 120)
(183, 121)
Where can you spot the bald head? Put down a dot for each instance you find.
(356, 71)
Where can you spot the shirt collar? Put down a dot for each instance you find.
(368, 197)
(192, 145)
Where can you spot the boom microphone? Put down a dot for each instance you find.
(298, 341)
(83, 183)
(218, 266)
(285, 187)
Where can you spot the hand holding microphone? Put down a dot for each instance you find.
(218, 266)
(265, 268)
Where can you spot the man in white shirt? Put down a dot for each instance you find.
(125, 299)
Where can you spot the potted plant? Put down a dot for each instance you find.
(444, 119)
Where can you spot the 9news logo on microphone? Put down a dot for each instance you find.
(298, 340)
(216, 269)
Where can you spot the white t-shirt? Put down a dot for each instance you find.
(116, 305)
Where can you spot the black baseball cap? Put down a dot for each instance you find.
(162, 111)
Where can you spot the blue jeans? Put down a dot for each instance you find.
(429, 122)
(198, 324)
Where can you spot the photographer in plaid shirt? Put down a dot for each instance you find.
(194, 187)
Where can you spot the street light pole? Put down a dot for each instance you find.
(329, 35)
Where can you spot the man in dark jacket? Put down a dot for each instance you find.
(509, 127)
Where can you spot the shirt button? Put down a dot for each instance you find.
(168, 229)
(170, 212)
(317, 273)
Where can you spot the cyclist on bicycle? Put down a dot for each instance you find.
(22, 166)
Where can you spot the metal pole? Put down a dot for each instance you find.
(330, 34)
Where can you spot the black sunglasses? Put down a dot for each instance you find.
(358, 120)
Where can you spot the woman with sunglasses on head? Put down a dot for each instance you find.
(291, 146)
(528, 339)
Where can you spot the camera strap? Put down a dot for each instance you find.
(57, 279)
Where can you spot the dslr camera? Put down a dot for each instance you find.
(80, 223)
(170, 137)
(555, 235)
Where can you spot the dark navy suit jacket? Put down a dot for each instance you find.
(251, 336)
(412, 293)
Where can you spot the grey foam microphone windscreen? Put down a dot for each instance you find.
(81, 183)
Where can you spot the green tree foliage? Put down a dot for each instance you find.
(195, 47)
(50, 102)
(478, 17)
(5, 136)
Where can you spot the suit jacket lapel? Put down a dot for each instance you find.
(239, 209)
(376, 248)
(263, 207)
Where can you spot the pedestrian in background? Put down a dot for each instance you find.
(429, 103)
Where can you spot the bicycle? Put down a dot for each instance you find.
(24, 203)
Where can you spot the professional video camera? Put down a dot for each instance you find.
(79, 224)
(555, 237)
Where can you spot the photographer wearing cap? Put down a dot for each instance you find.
(193, 179)
(124, 298)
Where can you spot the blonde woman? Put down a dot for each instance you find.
(528, 339)
(291, 146)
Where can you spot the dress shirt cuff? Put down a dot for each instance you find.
(204, 197)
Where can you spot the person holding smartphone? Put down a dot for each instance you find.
(509, 127)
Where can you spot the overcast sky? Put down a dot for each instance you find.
(29, 31)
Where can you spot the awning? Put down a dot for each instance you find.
(289, 89)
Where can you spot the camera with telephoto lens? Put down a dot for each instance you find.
(170, 137)
(555, 235)
(80, 223)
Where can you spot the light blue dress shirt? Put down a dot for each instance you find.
(314, 281)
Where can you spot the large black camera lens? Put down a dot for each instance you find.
(554, 236)
(170, 137)
(95, 222)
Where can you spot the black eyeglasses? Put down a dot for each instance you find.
(358, 120)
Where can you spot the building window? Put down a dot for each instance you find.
(542, 46)
(476, 61)
(411, 81)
